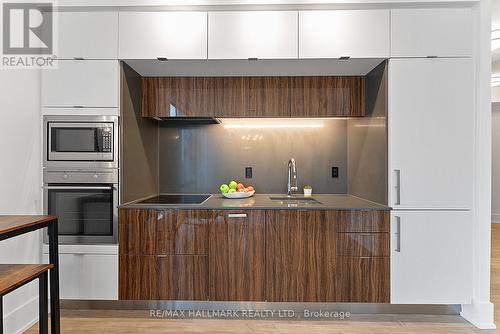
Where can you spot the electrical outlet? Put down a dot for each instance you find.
(248, 172)
(335, 172)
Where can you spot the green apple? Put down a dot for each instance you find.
(231, 190)
(233, 185)
(224, 188)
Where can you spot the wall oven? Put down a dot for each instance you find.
(80, 141)
(86, 204)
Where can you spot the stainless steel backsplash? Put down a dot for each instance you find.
(198, 158)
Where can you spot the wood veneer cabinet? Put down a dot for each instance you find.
(237, 256)
(255, 255)
(253, 96)
(163, 254)
(163, 232)
(328, 96)
(300, 256)
(327, 256)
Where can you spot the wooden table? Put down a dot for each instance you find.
(12, 226)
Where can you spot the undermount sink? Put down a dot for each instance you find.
(295, 200)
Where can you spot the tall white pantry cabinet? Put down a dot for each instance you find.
(431, 138)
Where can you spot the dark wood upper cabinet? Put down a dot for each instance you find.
(268, 97)
(226, 97)
(328, 96)
(229, 96)
(177, 97)
(237, 256)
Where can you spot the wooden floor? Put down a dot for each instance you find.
(125, 322)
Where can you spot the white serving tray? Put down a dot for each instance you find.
(239, 194)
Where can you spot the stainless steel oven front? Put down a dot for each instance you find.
(80, 141)
(86, 203)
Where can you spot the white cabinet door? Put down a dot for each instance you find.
(171, 35)
(445, 32)
(258, 34)
(83, 83)
(432, 262)
(431, 133)
(89, 35)
(88, 276)
(339, 33)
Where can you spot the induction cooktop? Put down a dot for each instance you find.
(176, 199)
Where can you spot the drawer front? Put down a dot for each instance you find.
(362, 221)
(182, 232)
(169, 277)
(363, 244)
(163, 232)
(363, 279)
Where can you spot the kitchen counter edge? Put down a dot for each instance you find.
(263, 202)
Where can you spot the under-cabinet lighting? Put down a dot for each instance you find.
(274, 123)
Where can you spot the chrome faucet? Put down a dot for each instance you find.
(292, 177)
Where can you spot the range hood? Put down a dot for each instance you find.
(188, 120)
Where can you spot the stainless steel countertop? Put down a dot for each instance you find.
(263, 201)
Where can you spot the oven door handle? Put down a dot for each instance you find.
(77, 188)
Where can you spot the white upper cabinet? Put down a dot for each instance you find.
(89, 35)
(81, 83)
(445, 32)
(253, 34)
(431, 257)
(431, 133)
(171, 35)
(340, 33)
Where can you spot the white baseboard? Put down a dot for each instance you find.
(22, 318)
(480, 314)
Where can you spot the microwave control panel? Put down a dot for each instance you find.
(107, 141)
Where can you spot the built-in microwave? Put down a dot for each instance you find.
(80, 142)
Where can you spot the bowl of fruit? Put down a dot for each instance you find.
(236, 190)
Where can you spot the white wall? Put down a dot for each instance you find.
(20, 181)
(495, 175)
(495, 71)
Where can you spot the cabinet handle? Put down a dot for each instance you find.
(398, 234)
(237, 215)
(397, 186)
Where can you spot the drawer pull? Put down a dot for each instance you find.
(397, 187)
(398, 234)
(237, 215)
